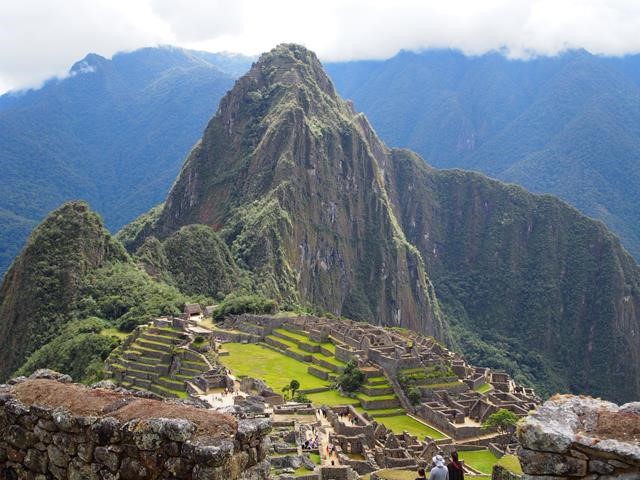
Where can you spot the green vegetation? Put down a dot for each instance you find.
(78, 350)
(267, 364)
(75, 137)
(504, 422)
(195, 259)
(511, 463)
(400, 423)
(128, 297)
(484, 388)
(42, 289)
(351, 378)
(481, 460)
(236, 304)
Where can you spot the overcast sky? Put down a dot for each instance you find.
(42, 38)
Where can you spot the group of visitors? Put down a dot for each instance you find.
(311, 443)
(440, 471)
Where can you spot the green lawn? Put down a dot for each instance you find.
(273, 367)
(481, 460)
(511, 463)
(296, 336)
(315, 458)
(331, 398)
(400, 423)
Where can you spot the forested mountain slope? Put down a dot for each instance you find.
(567, 125)
(113, 132)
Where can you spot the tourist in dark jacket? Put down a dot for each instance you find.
(439, 472)
(421, 474)
(455, 468)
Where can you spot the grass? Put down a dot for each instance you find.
(364, 396)
(300, 472)
(381, 411)
(484, 388)
(315, 458)
(511, 463)
(400, 423)
(331, 398)
(114, 332)
(481, 460)
(296, 336)
(275, 368)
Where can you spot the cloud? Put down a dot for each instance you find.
(40, 38)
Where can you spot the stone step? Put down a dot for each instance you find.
(171, 383)
(152, 345)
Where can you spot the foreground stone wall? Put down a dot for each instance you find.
(581, 437)
(40, 441)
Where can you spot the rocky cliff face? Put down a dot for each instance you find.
(533, 284)
(42, 285)
(320, 210)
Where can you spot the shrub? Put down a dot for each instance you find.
(238, 304)
(351, 379)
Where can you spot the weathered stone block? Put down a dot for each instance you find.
(19, 437)
(132, 469)
(545, 463)
(85, 452)
(65, 421)
(105, 430)
(57, 456)
(598, 466)
(178, 467)
(107, 457)
(79, 470)
(36, 461)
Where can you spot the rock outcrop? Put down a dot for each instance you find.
(581, 437)
(50, 428)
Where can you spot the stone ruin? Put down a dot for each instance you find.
(456, 409)
(51, 428)
(577, 437)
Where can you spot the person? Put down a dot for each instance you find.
(421, 474)
(439, 472)
(455, 468)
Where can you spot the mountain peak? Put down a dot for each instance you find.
(291, 65)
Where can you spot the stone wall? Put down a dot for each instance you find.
(50, 428)
(581, 437)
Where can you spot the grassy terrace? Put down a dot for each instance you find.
(484, 388)
(481, 460)
(511, 463)
(273, 367)
(277, 370)
(400, 423)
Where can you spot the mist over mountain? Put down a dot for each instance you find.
(113, 132)
(567, 125)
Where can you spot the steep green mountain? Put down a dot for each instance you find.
(311, 202)
(194, 259)
(294, 181)
(567, 125)
(113, 132)
(71, 281)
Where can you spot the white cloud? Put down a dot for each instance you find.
(40, 38)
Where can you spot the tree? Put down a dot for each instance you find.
(285, 391)
(414, 395)
(351, 378)
(504, 422)
(294, 385)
